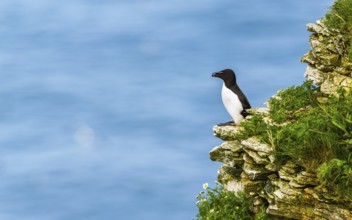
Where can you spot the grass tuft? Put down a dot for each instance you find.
(290, 103)
(218, 203)
(336, 175)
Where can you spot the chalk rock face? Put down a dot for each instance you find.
(328, 61)
(287, 191)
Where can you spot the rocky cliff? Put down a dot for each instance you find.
(288, 191)
(291, 189)
(328, 61)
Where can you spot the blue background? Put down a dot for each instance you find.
(107, 107)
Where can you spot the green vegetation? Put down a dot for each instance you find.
(289, 104)
(304, 137)
(313, 130)
(219, 204)
(337, 176)
(340, 15)
(340, 18)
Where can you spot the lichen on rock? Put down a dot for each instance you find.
(329, 60)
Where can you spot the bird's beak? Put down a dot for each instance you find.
(215, 74)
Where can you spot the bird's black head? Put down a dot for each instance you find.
(227, 75)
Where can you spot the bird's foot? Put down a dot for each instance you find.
(227, 123)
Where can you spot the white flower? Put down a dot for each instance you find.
(205, 186)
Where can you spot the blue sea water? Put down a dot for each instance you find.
(107, 107)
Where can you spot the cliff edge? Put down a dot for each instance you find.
(294, 158)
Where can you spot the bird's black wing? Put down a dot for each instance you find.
(241, 96)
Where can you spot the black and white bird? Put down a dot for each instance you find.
(233, 98)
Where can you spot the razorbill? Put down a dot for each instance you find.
(233, 98)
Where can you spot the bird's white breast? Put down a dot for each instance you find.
(232, 104)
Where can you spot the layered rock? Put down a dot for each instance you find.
(328, 61)
(288, 191)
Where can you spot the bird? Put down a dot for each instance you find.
(232, 96)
